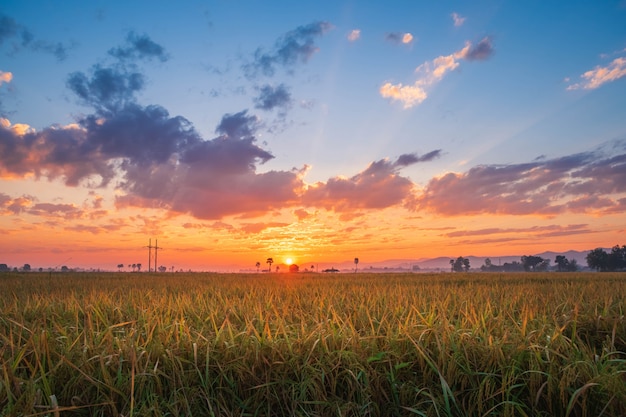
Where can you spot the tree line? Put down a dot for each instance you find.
(597, 259)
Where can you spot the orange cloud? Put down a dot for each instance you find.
(5, 77)
(598, 76)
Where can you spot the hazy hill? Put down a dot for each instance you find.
(443, 262)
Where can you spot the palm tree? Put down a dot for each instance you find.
(269, 261)
(258, 265)
(356, 264)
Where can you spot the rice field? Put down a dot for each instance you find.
(140, 344)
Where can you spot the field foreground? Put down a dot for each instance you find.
(139, 344)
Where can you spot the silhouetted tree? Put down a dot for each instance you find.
(460, 264)
(139, 267)
(531, 262)
(294, 268)
(561, 263)
(598, 259)
(356, 264)
(258, 265)
(269, 261)
(162, 268)
(617, 258)
(119, 267)
(26, 268)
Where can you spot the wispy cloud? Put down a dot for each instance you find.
(598, 76)
(271, 97)
(354, 35)
(296, 46)
(139, 47)
(457, 19)
(430, 73)
(400, 37)
(19, 37)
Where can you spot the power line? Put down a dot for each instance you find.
(156, 248)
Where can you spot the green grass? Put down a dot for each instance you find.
(312, 344)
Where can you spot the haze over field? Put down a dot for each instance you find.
(314, 131)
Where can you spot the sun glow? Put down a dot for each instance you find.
(288, 261)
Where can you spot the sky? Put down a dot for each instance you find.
(315, 131)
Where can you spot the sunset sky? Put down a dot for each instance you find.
(321, 131)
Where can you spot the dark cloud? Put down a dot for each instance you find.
(412, 158)
(139, 47)
(481, 51)
(584, 182)
(398, 37)
(20, 37)
(107, 89)
(296, 46)
(271, 97)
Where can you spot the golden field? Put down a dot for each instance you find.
(478, 344)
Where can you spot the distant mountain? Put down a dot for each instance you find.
(443, 262)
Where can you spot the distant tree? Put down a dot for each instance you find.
(65, 269)
(531, 262)
(277, 268)
(565, 265)
(40, 269)
(356, 264)
(269, 262)
(489, 266)
(4, 268)
(460, 264)
(293, 268)
(134, 267)
(119, 267)
(26, 268)
(312, 267)
(162, 268)
(512, 267)
(561, 263)
(258, 266)
(598, 259)
(617, 258)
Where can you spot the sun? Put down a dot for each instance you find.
(288, 261)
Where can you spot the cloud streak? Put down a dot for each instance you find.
(296, 46)
(432, 72)
(599, 76)
(590, 182)
(19, 37)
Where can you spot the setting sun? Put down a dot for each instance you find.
(288, 261)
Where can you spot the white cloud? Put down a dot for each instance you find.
(458, 19)
(431, 72)
(354, 35)
(594, 78)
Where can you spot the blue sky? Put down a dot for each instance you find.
(412, 91)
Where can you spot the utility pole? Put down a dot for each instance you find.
(156, 248)
(149, 253)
